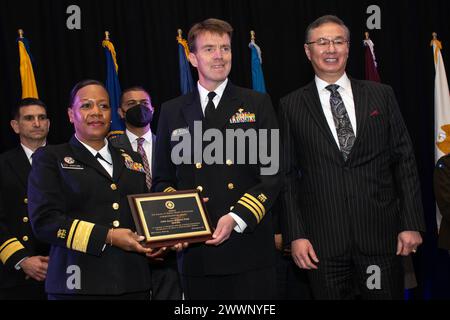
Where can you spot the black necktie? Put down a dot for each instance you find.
(345, 133)
(99, 156)
(210, 108)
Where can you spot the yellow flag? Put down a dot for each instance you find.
(29, 89)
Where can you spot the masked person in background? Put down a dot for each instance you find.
(137, 111)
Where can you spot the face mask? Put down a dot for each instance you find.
(139, 116)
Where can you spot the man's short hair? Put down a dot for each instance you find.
(209, 25)
(134, 88)
(15, 113)
(80, 85)
(323, 20)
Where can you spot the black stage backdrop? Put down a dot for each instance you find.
(144, 33)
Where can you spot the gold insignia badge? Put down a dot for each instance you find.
(262, 197)
(170, 205)
(61, 234)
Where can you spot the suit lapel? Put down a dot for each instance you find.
(83, 155)
(20, 165)
(361, 109)
(315, 108)
(192, 110)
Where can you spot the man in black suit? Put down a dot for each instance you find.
(352, 193)
(238, 263)
(137, 111)
(24, 258)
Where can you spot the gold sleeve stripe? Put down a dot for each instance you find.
(251, 209)
(258, 203)
(71, 233)
(7, 242)
(255, 207)
(8, 248)
(169, 189)
(82, 235)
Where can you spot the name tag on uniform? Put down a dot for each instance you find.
(70, 163)
(180, 132)
(72, 166)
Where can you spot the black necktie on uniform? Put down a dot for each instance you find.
(210, 108)
(99, 156)
(344, 129)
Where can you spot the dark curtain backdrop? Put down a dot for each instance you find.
(144, 33)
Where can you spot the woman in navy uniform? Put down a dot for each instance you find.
(77, 198)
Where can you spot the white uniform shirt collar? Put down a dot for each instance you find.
(29, 152)
(204, 94)
(104, 152)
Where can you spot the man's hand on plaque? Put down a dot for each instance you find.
(225, 226)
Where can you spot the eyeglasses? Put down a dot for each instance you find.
(324, 42)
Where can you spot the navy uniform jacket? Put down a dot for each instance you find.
(361, 203)
(73, 202)
(238, 188)
(17, 240)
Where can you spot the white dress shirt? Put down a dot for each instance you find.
(29, 152)
(148, 137)
(345, 90)
(203, 93)
(105, 153)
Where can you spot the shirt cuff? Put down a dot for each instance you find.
(17, 266)
(240, 224)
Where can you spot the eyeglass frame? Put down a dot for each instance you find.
(328, 42)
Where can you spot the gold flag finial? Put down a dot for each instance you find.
(107, 35)
(434, 35)
(366, 35)
(252, 35)
(20, 31)
(180, 33)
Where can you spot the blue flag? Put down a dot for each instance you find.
(257, 73)
(186, 82)
(113, 87)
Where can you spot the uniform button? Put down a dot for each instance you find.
(116, 223)
(231, 208)
(198, 165)
(229, 162)
(25, 219)
(200, 188)
(115, 206)
(230, 186)
(25, 200)
(113, 186)
(25, 238)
